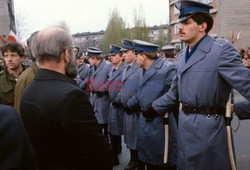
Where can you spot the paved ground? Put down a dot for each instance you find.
(124, 157)
(241, 141)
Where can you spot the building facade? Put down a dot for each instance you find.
(7, 17)
(231, 21)
(87, 39)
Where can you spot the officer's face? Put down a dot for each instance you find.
(190, 32)
(79, 61)
(129, 56)
(140, 59)
(12, 60)
(92, 61)
(116, 59)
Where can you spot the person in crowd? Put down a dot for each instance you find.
(28, 75)
(248, 50)
(82, 68)
(97, 76)
(246, 60)
(169, 53)
(241, 52)
(16, 151)
(130, 86)
(113, 87)
(207, 70)
(57, 114)
(155, 79)
(13, 54)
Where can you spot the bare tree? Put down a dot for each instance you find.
(140, 29)
(115, 31)
(163, 38)
(21, 25)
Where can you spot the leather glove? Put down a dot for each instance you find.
(117, 104)
(149, 114)
(135, 109)
(106, 93)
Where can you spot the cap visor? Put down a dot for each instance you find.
(184, 18)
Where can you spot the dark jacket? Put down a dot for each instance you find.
(61, 124)
(15, 149)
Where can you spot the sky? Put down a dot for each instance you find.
(87, 15)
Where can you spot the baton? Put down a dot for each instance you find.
(229, 134)
(165, 122)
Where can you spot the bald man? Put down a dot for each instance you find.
(57, 114)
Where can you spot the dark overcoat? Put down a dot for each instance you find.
(61, 125)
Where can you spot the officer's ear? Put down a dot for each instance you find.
(203, 27)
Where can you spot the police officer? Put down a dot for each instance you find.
(82, 68)
(155, 79)
(207, 70)
(116, 112)
(97, 77)
(13, 54)
(130, 86)
(168, 51)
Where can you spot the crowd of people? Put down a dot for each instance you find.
(75, 107)
(245, 55)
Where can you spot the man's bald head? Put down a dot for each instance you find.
(51, 42)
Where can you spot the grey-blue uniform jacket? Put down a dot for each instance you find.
(154, 82)
(94, 81)
(115, 122)
(242, 109)
(130, 87)
(82, 71)
(205, 80)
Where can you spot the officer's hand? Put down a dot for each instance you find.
(149, 114)
(98, 94)
(117, 104)
(106, 93)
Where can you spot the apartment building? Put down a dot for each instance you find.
(86, 39)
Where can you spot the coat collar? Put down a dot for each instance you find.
(152, 70)
(117, 72)
(45, 74)
(132, 69)
(200, 53)
(99, 68)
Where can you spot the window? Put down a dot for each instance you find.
(176, 30)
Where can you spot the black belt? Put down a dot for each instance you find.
(203, 110)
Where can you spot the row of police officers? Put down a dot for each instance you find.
(120, 89)
(132, 98)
